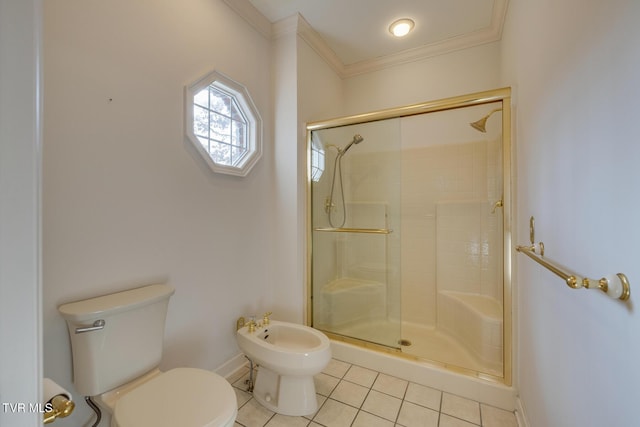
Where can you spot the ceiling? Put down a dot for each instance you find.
(356, 31)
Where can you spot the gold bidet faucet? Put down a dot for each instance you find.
(251, 324)
(265, 318)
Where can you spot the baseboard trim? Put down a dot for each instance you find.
(232, 367)
(521, 416)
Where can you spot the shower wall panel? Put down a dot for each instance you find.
(430, 175)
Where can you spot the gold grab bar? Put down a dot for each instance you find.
(615, 286)
(356, 230)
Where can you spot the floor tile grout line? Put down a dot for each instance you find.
(270, 418)
(456, 417)
(377, 416)
(312, 419)
(362, 404)
(404, 395)
(440, 408)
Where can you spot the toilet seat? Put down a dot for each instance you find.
(185, 397)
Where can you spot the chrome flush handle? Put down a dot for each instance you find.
(97, 325)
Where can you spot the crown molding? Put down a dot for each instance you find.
(285, 26)
(427, 51)
(297, 24)
(487, 35)
(253, 16)
(317, 43)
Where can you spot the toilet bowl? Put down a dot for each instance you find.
(288, 355)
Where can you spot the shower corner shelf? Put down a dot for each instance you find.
(355, 230)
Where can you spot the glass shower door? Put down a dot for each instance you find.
(355, 215)
(453, 228)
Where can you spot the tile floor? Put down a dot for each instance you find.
(350, 395)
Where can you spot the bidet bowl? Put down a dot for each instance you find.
(286, 348)
(288, 355)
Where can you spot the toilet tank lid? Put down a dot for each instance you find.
(114, 303)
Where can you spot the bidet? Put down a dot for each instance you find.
(288, 355)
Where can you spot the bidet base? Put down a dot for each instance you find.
(285, 394)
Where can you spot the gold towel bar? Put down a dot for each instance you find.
(356, 230)
(615, 286)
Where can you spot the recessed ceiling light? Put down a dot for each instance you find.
(401, 27)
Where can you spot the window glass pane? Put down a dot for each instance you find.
(200, 121)
(202, 98)
(220, 101)
(237, 153)
(236, 113)
(238, 136)
(220, 128)
(220, 153)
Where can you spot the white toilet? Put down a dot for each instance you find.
(288, 355)
(116, 342)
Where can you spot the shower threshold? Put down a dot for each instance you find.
(421, 342)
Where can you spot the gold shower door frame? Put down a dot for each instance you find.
(502, 95)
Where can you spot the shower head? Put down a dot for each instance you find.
(479, 125)
(357, 139)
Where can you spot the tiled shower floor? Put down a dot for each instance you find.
(350, 395)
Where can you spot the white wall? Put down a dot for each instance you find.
(574, 66)
(127, 201)
(288, 288)
(20, 244)
(320, 95)
(320, 88)
(457, 73)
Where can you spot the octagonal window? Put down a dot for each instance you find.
(223, 124)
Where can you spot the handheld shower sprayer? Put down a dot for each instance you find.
(337, 167)
(357, 139)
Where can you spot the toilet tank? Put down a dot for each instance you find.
(129, 343)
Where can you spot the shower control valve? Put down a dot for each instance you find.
(328, 205)
(496, 205)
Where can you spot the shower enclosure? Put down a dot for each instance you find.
(409, 236)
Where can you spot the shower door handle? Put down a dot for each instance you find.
(497, 205)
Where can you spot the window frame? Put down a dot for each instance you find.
(248, 110)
